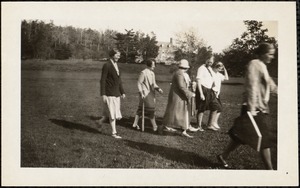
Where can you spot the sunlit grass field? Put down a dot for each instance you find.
(60, 101)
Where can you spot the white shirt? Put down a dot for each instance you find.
(219, 78)
(204, 76)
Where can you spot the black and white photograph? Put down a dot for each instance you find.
(149, 94)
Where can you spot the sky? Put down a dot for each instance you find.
(164, 19)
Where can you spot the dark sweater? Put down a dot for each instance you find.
(110, 83)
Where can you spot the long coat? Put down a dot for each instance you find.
(177, 113)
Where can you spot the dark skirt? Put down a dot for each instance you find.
(264, 124)
(149, 106)
(210, 102)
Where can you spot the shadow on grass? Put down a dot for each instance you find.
(94, 118)
(233, 84)
(77, 126)
(174, 154)
(128, 121)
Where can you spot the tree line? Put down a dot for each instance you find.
(42, 40)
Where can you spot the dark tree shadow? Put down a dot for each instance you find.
(174, 154)
(77, 126)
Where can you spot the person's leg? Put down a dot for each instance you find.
(266, 158)
(101, 121)
(113, 128)
(136, 121)
(153, 122)
(231, 147)
(216, 120)
(199, 120)
(160, 129)
(223, 156)
(212, 121)
(209, 118)
(184, 133)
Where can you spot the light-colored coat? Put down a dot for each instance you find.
(258, 86)
(146, 82)
(177, 111)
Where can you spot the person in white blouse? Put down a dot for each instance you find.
(205, 97)
(147, 86)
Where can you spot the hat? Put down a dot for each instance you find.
(184, 64)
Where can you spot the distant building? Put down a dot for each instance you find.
(166, 52)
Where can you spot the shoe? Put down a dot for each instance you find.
(136, 126)
(186, 135)
(200, 129)
(169, 129)
(222, 160)
(116, 136)
(211, 127)
(216, 126)
(155, 128)
(192, 129)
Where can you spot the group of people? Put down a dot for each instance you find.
(204, 93)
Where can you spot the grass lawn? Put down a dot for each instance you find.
(60, 101)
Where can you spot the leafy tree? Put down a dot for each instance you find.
(26, 44)
(148, 47)
(62, 51)
(240, 52)
(192, 47)
(135, 45)
(126, 44)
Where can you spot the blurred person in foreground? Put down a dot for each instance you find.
(112, 91)
(147, 86)
(258, 86)
(177, 114)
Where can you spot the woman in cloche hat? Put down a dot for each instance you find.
(177, 111)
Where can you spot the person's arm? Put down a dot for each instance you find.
(225, 74)
(122, 89)
(140, 81)
(273, 86)
(252, 83)
(156, 87)
(199, 85)
(103, 82)
(182, 87)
